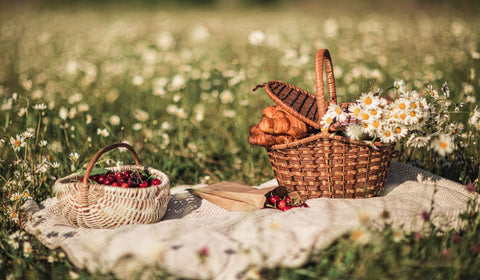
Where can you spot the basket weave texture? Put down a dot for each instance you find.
(93, 205)
(325, 164)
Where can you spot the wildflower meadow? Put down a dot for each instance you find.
(177, 85)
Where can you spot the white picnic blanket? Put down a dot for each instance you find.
(197, 239)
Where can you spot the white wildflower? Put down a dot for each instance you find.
(17, 143)
(103, 132)
(354, 132)
(256, 38)
(39, 107)
(226, 96)
(73, 156)
(114, 120)
(443, 144)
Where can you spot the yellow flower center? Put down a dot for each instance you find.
(356, 112)
(328, 120)
(402, 106)
(388, 133)
(403, 116)
(374, 112)
(17, 143)
(357, 234)
(338, 111)
(398, 130)
(376, 124)
(365, 116)
(413, 105)
(368, 100)
(413, 114)
(443, 145)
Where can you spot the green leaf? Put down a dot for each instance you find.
(95, 171)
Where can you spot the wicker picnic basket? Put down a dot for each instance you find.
(325, 164)
(94, 205)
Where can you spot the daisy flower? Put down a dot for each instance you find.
(73, 156)
(256, 38)
(14, 216)
(399, 86)
(443, 145)
(354, 131)
(432, 92)
(417, 141)
(17, 143)
(387, 134)
(15, 196)
(354, 110)
(328, 118)
(337, 111)
(26, 194)
(22, 111)
(27, 249)
(43, 143)
(399, 131)
(39, 107)
(29, 133)
(368, 100)
(103, 132)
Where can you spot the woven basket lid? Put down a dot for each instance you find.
(300, 103)
(296, 101)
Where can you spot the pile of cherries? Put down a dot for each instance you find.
(126, 179)
(281, 200)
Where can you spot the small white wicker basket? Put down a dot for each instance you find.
(93, 205)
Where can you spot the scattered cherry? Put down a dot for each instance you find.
(143, 184)
(282, 202)
(273, 199)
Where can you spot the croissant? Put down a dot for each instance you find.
(277, 121)
(269, 111)
(265, 139)
(254, 130)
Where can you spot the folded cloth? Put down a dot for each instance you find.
(197, 239)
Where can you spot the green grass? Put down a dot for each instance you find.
(115, 69)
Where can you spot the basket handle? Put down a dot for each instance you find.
(84, 188)
(323, 59)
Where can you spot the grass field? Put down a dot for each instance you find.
(177, 86)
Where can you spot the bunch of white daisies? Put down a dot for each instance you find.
(372, 117)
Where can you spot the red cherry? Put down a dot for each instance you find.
(273, 199)
(108, 181)
(288, 200)
(286, 208)
(304, 205)
(115, 184)
(156, 182)
(281, 204)
(119, 176)
(127, 173)
(101, 179)
(124, 185)
(143, 184)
